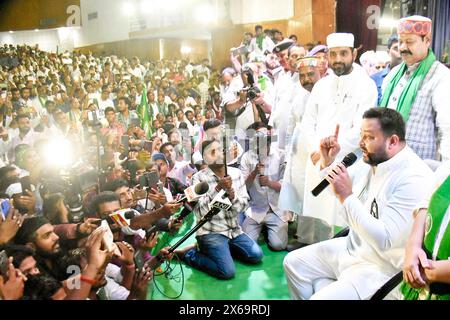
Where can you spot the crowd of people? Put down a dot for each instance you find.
(96, 153)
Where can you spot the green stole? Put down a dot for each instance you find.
(439, 204)
(408, 96)
(42, 101)
(259, 41)
(262, 83)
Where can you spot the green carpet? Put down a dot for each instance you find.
(265, 281)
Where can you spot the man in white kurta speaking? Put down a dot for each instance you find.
(340, 98)
(378, 209)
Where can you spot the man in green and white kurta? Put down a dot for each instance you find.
(419, 89)
(341, 98)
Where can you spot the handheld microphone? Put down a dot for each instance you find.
(118, 217)
(347, 162)
(219, 203)
(193, 193)
(191, 201)
(123, 217)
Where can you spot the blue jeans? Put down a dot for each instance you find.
(216, 252)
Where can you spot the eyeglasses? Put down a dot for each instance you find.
(374, 209)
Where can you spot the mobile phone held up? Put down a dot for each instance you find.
(3, 263)
(149, 180)
(6, 206)
(25, 183)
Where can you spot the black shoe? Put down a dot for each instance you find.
(295, 245)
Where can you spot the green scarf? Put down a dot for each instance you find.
(262, 83)
(438, 206)
(259, 41)
(409, 94)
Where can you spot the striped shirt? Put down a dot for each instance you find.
(225, 222)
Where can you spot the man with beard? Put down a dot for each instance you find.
(273, 67)
(38, 234)
(292, 189)
(41, 236)
(419, 89)
(221, 239)
(378, 209)
(339, 98)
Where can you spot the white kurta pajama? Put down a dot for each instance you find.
(374, 250)
(285, 89)
(292, 189)
(334, 100)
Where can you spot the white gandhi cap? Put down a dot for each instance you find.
(336, 40)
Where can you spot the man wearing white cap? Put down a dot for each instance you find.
(419, 89)
(341, 98)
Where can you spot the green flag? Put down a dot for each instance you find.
(144, 115)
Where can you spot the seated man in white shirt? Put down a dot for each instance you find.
(181, 170)
(263, 169)
(378, 210)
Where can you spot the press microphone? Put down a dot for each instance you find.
(219, 203)
(193, 193)
(347, 162)
(191, 201)
(123, 217)
(119, 217)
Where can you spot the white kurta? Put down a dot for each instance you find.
(334, 100)
(292, 189)
(285, 88)
(374, 249)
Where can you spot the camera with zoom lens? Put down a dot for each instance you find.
(72, 186)
(252, 90)
(252, 93)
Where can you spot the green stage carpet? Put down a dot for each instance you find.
(265, 281)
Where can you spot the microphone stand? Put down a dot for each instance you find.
(146, 198)
(158, 259)
(259, 160)
(225, 153)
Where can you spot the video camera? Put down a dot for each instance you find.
(73, 186)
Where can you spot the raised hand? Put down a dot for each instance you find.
(10, 226)
(171, 208)
(12, 288)
(97, 258)
(127, 253)
(329, 148)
